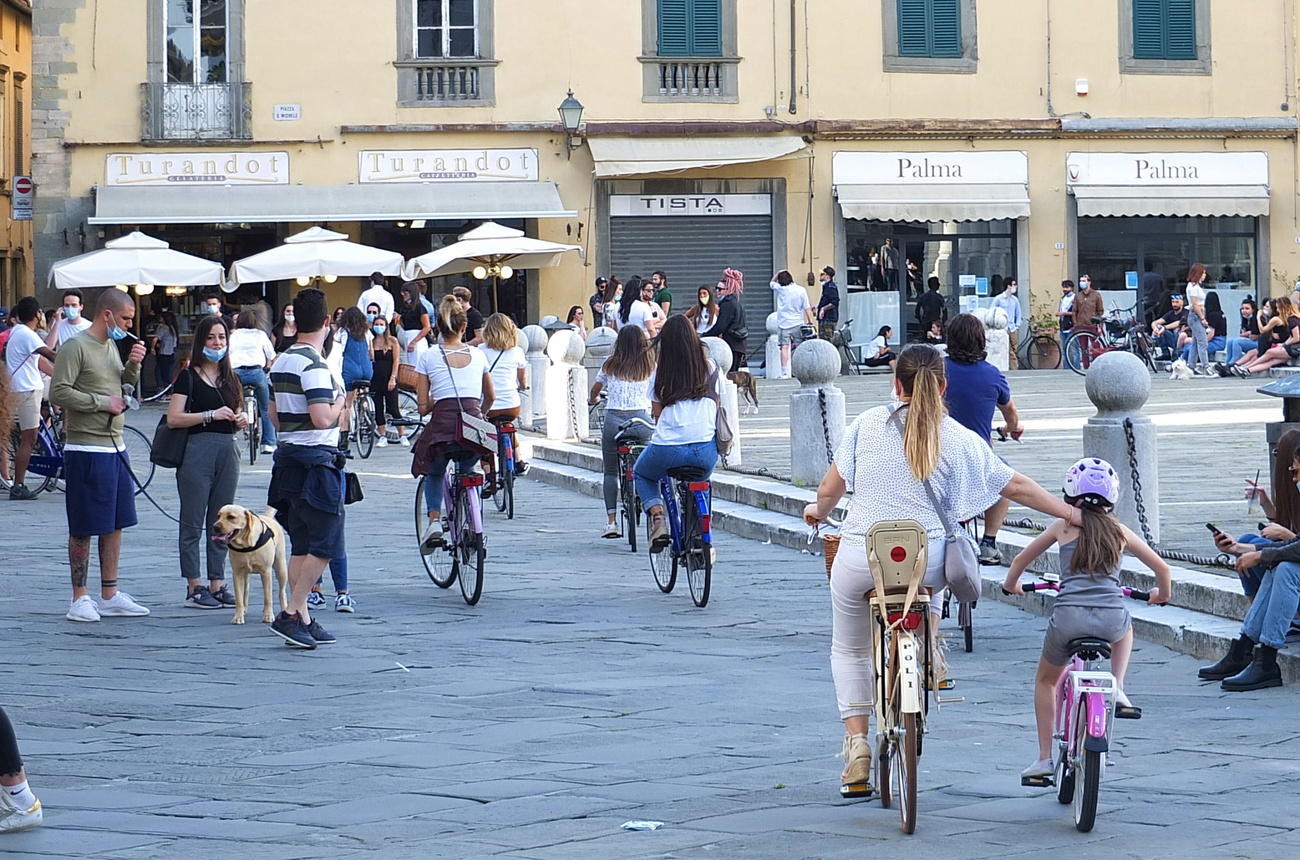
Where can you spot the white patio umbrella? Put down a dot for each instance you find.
(493, 248)
(134, 259)
(316, 252)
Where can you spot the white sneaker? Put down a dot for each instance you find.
(268, 449)
(83, 609)
(381, 442)
(1039, 769)
(432, 537)
(13, 819)
(121, 604)
(404, 441)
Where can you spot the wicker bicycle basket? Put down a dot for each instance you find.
(830, 546)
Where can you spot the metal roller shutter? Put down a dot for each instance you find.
(694, 250)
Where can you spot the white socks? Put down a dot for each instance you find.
(21, 795)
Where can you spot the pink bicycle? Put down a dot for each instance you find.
(1085, 714)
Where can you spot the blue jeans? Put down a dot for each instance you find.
(256, 377)
(1239, 346)
(1275, 605)
(465, 460)
(1211, 346)
(656, 460)
(1251, 579)
(338, 573)
(1168, 341)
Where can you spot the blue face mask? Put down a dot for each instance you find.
(115, 332)
(214, 309)
(213, 355)
(370, 317)
(71, 313)
(379, 329)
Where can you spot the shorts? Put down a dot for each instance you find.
(312, 531)
(1076, 622)
(100, 492)
(790, 335)
(26, 407)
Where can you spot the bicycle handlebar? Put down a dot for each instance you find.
(1131, 593)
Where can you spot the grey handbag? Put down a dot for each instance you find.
(961, 564)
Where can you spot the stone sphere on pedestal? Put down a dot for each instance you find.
(548, 321)
(536, 338)
(772, 327)
(815, 363)
(566, 347)
(719, 353)
(1118, 383)
(600, 343)
(521, 339)
(995, 318)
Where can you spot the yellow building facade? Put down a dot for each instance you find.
(15, 148)
(965, 140)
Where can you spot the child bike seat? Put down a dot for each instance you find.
(688, 473)
(897, 553)
(1089, 647)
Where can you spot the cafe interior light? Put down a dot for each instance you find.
(176, 291)
(143, 289)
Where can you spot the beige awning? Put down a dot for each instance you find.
(307, 203)
(933, 202)
(1120, 200)
(628, 156)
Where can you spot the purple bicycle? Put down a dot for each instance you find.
(463, 551)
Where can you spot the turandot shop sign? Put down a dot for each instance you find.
(651, 205)
(197, 168)
(448, 165)
(929, 168)
(1167, 168)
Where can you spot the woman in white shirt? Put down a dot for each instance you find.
(885, 462)
(637, 307)
(613, 300)
(454, 378)
(684, 402)
(704, 313)
(625, 379)
(251, 355)
(507, 366)
(878, 352)
(414, 324)
(1196, 322)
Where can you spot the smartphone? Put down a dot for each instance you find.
(1212, 527)
(1261, 527)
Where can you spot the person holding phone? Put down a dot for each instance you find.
(1282, 507)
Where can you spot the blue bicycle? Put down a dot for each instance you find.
(688, 510)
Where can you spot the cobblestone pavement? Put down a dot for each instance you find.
(574, 698)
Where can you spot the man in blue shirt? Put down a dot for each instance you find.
(828, 309)
(1009, 302)
(975, 389)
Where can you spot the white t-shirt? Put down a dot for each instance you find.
(377, 295)
(609, 313)
(625, 395)
(877, 346)
(791, 303)
(69, 329)
(250, 347)
(22, 360)
(967, 480)
(1195, 294)
(503, 367)
(686, 421)
(166, 339)
(642, 312)
(446, 381)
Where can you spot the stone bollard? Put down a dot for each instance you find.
(600, 346)
(525, 396)
(720, 354)
(538, 364)
(566, 393)
(816, 412)
(1118, 384)
(772, 350)
(997, 343)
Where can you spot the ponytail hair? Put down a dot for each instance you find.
(1101, 540)
(451, 317)
(920, 372)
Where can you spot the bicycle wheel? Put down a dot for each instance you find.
(40, 448)
(1080, 351)
(499, 497)
(251, 430)
(1087, 773)
(904, 765)
(409, 408)
(699, 560)
(509, 487)
(965, 612)
(1043, 353)
(882, 773)
(365, 425)
(471, 552)
(663, 564)
(437, 564)
(138, 448)
(1064, 777)
(631, 512)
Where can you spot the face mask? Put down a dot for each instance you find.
(370, 317)
(288, 318)
(213, 355)
(704, 300)
(115, 332)
(1083, 285)
(71, 313)
(214, 309)
(378, 329)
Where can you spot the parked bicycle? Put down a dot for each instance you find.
(463, 551)
(688, 511)
(1118, 330)
(253, 429)
(362, 418)
(1085, 716)
(1040, 352)
(47, 455)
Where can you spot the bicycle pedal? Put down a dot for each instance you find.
(947, 684)
(949, 700)
(1037, 781)
(856, 791)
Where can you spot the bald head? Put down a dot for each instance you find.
(113, 300)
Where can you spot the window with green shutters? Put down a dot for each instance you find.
(1164, 29)
(929, 28)
(690, 28)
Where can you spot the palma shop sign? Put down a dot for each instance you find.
(930, 168)
(197, 168)
(1167, 168)
(448, 165)
(659, 205)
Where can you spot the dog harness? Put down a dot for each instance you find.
(267, 537)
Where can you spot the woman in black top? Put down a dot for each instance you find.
(207, 401)
(414, 321)
(285, 334)
(730, 325)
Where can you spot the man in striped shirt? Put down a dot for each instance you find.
(307, 478)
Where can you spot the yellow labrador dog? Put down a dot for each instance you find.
(256, 545)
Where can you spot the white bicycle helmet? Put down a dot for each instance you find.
(1093, 480)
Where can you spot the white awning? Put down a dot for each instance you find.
(627, 156)
(934, 202)
(1120, 200)
(307, 203)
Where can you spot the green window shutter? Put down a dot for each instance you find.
(929, 28)
(945, 28)
(706, 28)
(1164, 29)
(674, 28)
(1180, 30)
(913, 28)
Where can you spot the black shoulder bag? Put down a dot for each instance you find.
(168, 449)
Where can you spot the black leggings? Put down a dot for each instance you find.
(11, 764)
(379, 393)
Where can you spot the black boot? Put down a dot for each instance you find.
(1261, 673)
(1238, 658)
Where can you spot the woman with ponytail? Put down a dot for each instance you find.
(885, 459)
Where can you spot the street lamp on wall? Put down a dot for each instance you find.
(571, 118)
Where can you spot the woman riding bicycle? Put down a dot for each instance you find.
(251, 354)
(683, 400)
(884, 463)
(507, 365)
(454, 378)
(358, 364)
(1090, 602)
(625, 379)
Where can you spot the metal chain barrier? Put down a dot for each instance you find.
(826, 428)
(573, 408)
(1137, 483)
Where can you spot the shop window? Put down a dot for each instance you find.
(1164, 36)
(689, 50)
(929, 35)
(445, 53)
(195, 87)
